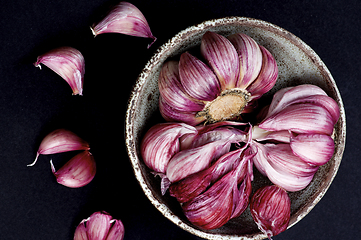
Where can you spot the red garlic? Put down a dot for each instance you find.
(58, 141)
(99, 226)
(77, 172)
(68, 63)
(127, 19)
(271, 209)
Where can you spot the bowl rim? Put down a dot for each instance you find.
(169, 46)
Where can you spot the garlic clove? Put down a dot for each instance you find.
(323, 101)
(127, 19)
(197, 78)
(172, 115)
(271, 210)
(305, 93)
(77, 172)
(80, 232)
(300, 118)
(98, 225)
(222, 57)
(287, 96)
(116, 232)
(68, 63)
(282, 167)
(315, 149)
(267, 77)
(58, 141)
(173, 92)
(189, 161)
(250, 57)
(161, 143)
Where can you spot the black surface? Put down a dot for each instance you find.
(34, 102)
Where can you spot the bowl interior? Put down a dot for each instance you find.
(297, 64)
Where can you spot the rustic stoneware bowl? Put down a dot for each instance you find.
(297, 64)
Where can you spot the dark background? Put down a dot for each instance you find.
(34, 102)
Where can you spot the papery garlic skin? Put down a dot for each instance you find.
(271, 210)
(77, 172)
(235, 73)
(100, 226)
(161, 143)
(223, 200)
(58, 141)
(127, 19)
(68, 63)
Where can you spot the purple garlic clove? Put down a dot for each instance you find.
(271, 210)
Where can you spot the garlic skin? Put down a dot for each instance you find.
(77, 172)
(271, 210)
(223, 200)
(161, 143)
(68, 63)
(235, 73)
(127, 19)
(99, 226)
(58, 141)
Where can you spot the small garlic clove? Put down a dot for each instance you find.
(77, 172)
(197, 78)
(271, 210)
(267, 77)
(127, 19)
(116, 232)
(98, 225)
(161, 143)
(172, 115)
(189, 161)
(173, 92)
(315, 149)
(287, 96)
(222, 57)
(80, 232)
(68, 63)
(250, 57)
(58, 141)
(300, 118)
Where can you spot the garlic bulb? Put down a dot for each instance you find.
(100, 225)
(68, 63)
(236, 72)
(271, 210)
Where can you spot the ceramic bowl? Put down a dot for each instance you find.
(297, 63)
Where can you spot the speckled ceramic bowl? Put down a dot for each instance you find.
(297, 64)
